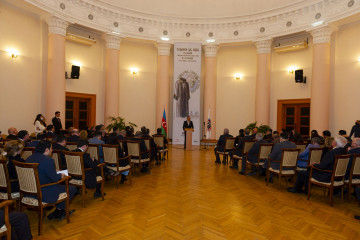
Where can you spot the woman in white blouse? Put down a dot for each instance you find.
(39, 123)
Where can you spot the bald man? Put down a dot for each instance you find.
(12, 133)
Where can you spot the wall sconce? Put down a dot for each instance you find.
(134, 71)
(291, 69)
(238, 76)
(358, 59)
(13, 53)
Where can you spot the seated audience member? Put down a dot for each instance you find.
(253, 153)
(75, 136)
(159, 133)
(304, 156)
(343, 133)
(61, 145)
(275, 138)
(50, 131)
(327, 145)
(327, 163)
(153, 148)
(96, 139)
(314, 133)
(83, 135)
(296, 137)
(20, 226)
(129, 132)
(355, 130)
(101, 128)
(39, 137)
(91, 132)
(276, 132)
(13, 132)
(143, 151)
(23, 135)
(326, 134)
(254, 132)
(47, 174)
(220, 146)
(116, 130)
(12, 152)
(122, 135)
(93, 172)
(354, 149)
(238, 137)
(277, 151)
(239, 148)
(268, 135)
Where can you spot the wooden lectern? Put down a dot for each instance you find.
(188, 132)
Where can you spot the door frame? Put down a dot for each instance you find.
(283, 102)
(92, 98)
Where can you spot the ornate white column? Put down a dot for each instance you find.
(163, 83)
(210, 87)
(111, 76)
(320, 82)
(262, 93)
(56, 86)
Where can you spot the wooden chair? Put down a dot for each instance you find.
(160, 143)
(71, 146)
(135, 154)
(30, 186)
(94, 151)
(5, 230)
(229, 147)
(121, 142)
(314, 157)
(111, 159)
(27, 152)
(5, 184)
(76, 169)
(354, 177)
(265, 150)
(337, 177)
(301, 146)
(147, 141)
(288, 160)
(56, 155)
(247, 146)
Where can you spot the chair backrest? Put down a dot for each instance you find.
(75, 163)
(27, 152)
(57, 159)
(110, 154)
(340, 165)
(147, 142)
(71, 146)
(133, 148)
(247, 146)
(28, 178)
(159, 140)
(93, 151)
(4, 177)
(229, 143)
(315, 155)
(265, 150)
(301, 146)
(289, 157)
(355, 168)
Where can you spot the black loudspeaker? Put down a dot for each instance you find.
(299, 78)
(75, 72)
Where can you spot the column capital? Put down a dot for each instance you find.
(263, 46)
(163, 49)
(112, 41)
(322, 35)
(57, 25)
(211, 50)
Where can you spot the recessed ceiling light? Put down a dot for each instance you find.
(115, 33)
(317, 23)
(165, 38)
(210, 40)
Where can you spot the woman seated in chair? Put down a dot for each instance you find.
(112, 139)
(12, 151)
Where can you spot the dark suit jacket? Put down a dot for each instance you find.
(73, 139)
(277, 150)
(47, 174)
(57, 146)
(240, 146)
(121, 137)
(90, 175)
(57, 124)
(220, 146)
(186, 125)
(32, 144)
(327, 163)
(142, 148)
(254, 151)
(355, 130)
(12, 137)
(51, 134)
(12, 172)
(352, 151)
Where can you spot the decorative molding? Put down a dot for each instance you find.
(163, 49)
(322, 35)
(141, 25)
(57, 25)
(112, 41)
(263, 46)
(211, 50)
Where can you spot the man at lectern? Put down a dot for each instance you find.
(187, 124)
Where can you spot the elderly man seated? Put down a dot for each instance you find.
(253, 153)
(304, 156)
(13, 132)
(220, 146)
(327, 163)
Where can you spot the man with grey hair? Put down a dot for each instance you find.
(327, 163)
(74, 136)
(253, 153)
(220, 146)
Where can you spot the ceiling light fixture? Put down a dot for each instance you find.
(210, 40)
(315, 24)
(165, 38)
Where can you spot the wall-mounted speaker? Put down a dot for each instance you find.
(299, 76)
(75, 72)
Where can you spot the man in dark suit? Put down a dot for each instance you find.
(61, 145)
(23, 135)
(355, 130)
(253, 153)
(239, 148)
(56, 121)
(220, 146)
(47, 174)
(39, 137)
(13, 132)
(254, 132)
(355, 149)
(20, 226)
(143, 150)
(93, 172)
(50, 131)
(327, 163)
(74, 136)
(187, 124)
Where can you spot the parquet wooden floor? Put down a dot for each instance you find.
(192, 198)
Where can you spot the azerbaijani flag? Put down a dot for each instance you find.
(164, 125)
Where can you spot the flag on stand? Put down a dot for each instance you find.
(208, 126)
(164, 125)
